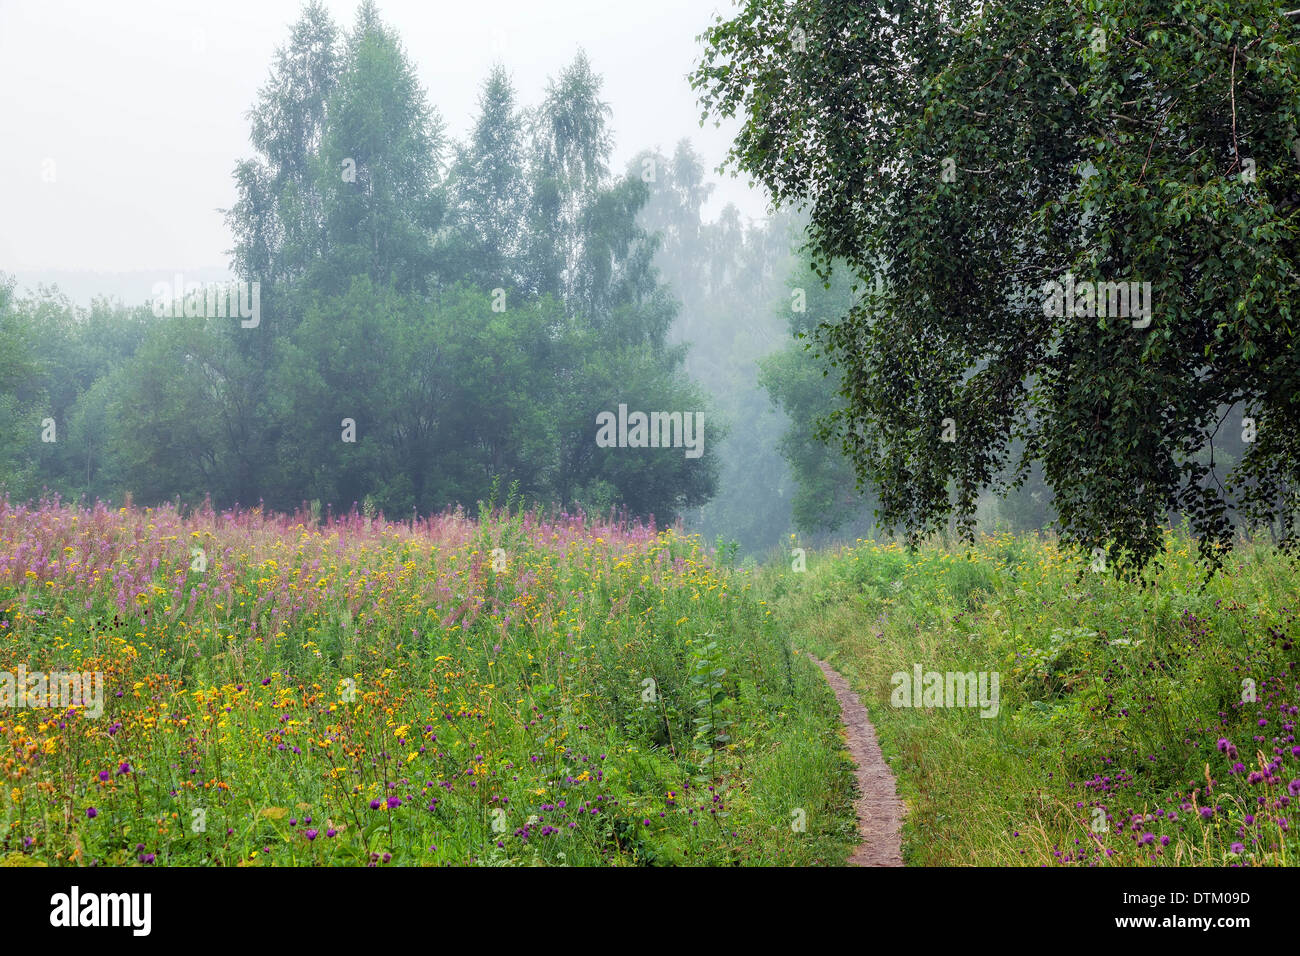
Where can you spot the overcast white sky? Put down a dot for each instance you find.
(139, 106)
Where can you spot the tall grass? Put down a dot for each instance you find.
(520, 689)
(1136, 726)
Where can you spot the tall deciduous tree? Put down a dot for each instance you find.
(568, 168)
(974, 153)
(278, 220)
(489, 192)
(380, 168)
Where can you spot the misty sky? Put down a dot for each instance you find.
(140, 107)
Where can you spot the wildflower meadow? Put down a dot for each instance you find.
(506, 689)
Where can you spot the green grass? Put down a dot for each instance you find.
(1112, 698)
(513, 691)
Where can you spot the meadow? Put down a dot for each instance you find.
(507, 689)
(1137, 726)
(522, 689)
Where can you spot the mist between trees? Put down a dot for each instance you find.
(435, 319)
(974, 160)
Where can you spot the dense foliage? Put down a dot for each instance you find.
(970, 154)
(434, 316)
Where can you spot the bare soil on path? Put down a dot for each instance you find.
(880, 811)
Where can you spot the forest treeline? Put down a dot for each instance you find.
(437, 318)
(434, 317)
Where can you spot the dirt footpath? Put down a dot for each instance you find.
(880, 811)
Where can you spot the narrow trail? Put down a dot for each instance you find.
(880, 811)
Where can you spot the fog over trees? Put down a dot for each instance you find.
(437, 319)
